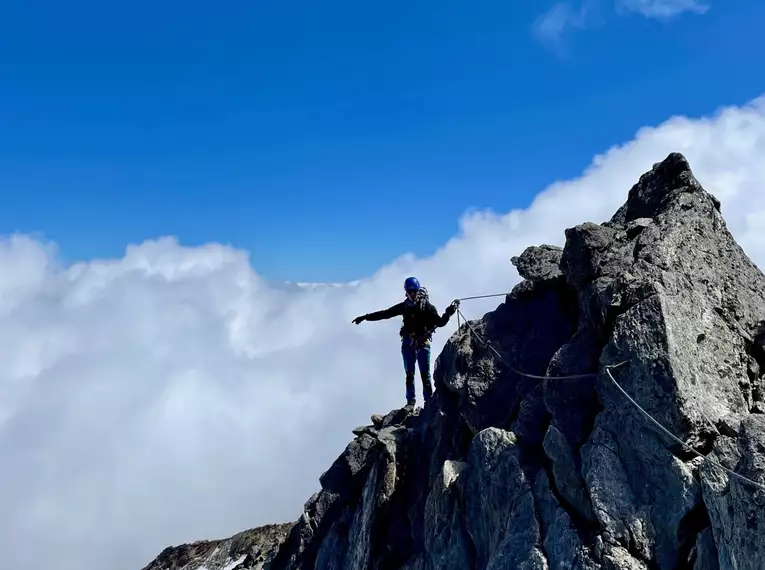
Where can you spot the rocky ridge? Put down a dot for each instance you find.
(247, 550)
(503, 471)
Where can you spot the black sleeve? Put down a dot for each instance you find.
(436, 319)
(394, 311)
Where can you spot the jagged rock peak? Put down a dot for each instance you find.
(668, 178)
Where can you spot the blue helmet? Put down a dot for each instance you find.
(411, 284)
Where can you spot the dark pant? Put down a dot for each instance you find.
(419, 355)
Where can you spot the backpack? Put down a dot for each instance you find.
(419, 305)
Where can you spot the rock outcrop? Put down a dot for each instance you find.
(248, 550)
(504, 471)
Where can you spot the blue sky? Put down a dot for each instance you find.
(327, 138)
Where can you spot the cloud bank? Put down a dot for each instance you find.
(173, 394)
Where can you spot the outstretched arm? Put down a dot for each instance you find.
(442, 320)
(394, 311)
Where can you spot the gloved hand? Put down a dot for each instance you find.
(357, 320)
(451, 309)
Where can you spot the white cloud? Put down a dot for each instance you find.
(173, 394)
(662, 9)
(564, 17)
(561, 18)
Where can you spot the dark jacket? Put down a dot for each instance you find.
(421, 318)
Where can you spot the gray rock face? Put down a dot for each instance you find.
(561, 543)
(540, 263)
(248, 550)
(504, 471)
(566, 474)
(500, 512)
(447, 543)
(620, 514)
(736, 508)
(704, 555)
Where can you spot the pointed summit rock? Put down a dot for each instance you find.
(656, 188)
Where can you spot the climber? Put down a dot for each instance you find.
(421, 318)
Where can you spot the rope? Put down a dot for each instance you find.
(483, 296)
(488, 344)
(608, 368)
(669, 434)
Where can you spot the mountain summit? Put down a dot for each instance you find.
(529, 457)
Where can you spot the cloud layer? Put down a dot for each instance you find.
(173, 394)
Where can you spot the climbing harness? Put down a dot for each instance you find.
(607, 368)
